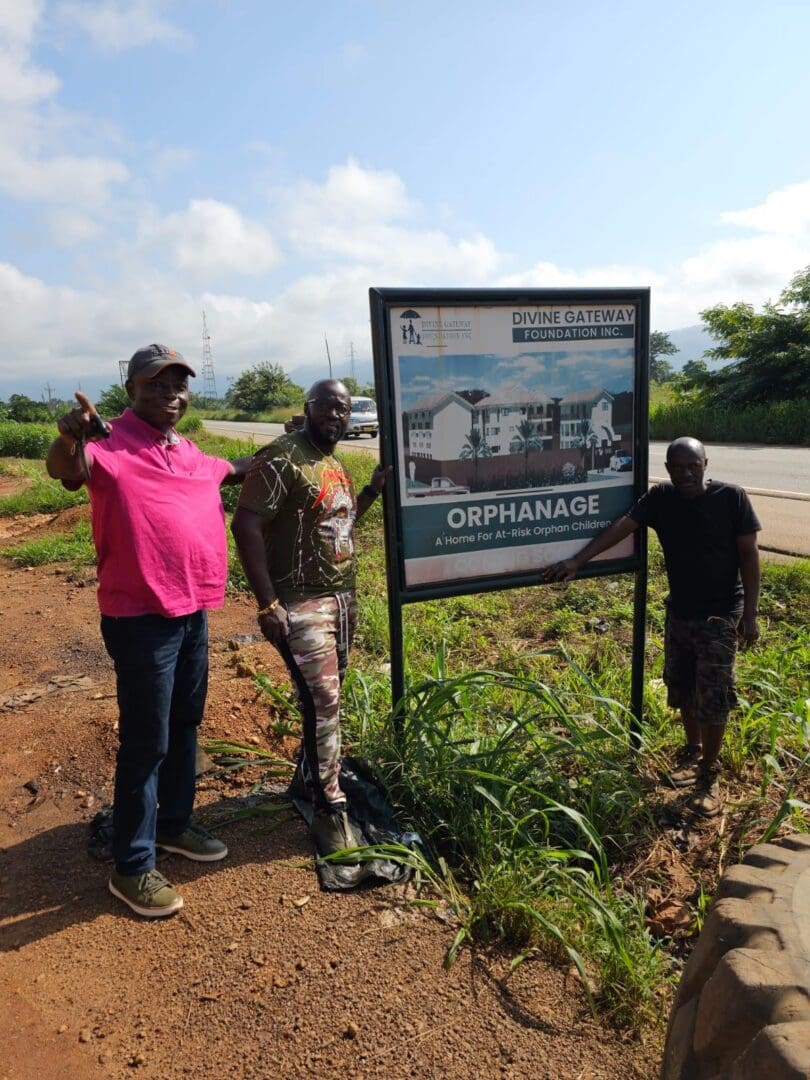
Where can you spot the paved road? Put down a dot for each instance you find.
(778, 478)
(771, 468)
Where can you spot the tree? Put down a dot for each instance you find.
(25, 410)
(265, 386)
(660, 345)
(477, 447)
(113, 400)
(769, 351)
(526, 439)
(694, 377)
(357, 389)
(586, 439)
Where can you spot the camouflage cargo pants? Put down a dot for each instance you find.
(699, 666)
(317, 654)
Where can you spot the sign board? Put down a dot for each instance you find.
(516, 425)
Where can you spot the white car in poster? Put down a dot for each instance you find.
(440, 485)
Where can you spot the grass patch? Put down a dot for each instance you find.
(75, 547)
(41, 496)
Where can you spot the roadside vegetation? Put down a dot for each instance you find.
(761, 391)
(543, 829)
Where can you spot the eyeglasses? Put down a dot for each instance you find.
(322, 406)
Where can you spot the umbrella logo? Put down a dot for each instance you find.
(410, 335)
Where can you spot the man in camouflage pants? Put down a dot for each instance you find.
(708, 531)
(294, 531)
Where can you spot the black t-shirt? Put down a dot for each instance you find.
(699, 538)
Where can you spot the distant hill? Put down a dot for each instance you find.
(691, 342)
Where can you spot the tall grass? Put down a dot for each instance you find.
(528, 802)
(785, 422)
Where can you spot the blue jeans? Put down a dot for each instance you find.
(161, 667)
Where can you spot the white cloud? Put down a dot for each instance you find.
(26, 173)
(116, 25)
(31, 164)
(21, 83)
(209, 239)
(357, 228)
(70, 227)
(365, 216)
(785, 212)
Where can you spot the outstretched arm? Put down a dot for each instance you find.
(370, 492)
(81, 424)
(239, 470)
(749, 572)
(568, 568)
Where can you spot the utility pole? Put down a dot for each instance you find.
(209, 382)
(328, 357)
(351, 360)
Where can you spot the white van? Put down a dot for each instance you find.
(363, 418)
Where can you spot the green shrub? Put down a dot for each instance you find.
(785, 422)
(25, 440)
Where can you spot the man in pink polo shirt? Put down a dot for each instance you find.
(159, 533)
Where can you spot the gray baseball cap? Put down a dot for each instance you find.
(150, 360)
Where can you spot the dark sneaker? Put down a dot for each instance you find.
(686, 766)
(332, 832)
(147, 894)
(195, 843)
(707, 800)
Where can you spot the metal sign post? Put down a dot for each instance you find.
(515, 422)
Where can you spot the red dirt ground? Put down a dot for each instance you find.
(261, 975)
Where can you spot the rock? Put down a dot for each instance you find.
(32, 786)
(85, 1035)
(352, 1031)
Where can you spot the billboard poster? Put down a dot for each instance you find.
(513, 427)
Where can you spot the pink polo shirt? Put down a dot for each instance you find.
(158, 522)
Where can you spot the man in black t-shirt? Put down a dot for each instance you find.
(708, 533)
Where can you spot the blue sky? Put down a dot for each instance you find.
(554, 372)
(269, 162)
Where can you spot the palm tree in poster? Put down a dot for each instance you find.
(476, 447)
(525, 439)
(586, 440)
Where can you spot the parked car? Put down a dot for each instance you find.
(363, 418)
(295, 423)
(621, 463)
(440, 485)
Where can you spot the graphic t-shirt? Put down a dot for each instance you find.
(699, 538)
(307, 500)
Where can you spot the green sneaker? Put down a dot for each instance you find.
(195, 843)
(147, 894)
(332, 832)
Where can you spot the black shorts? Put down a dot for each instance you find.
(699, 666)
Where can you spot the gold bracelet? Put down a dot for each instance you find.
(270, 607)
